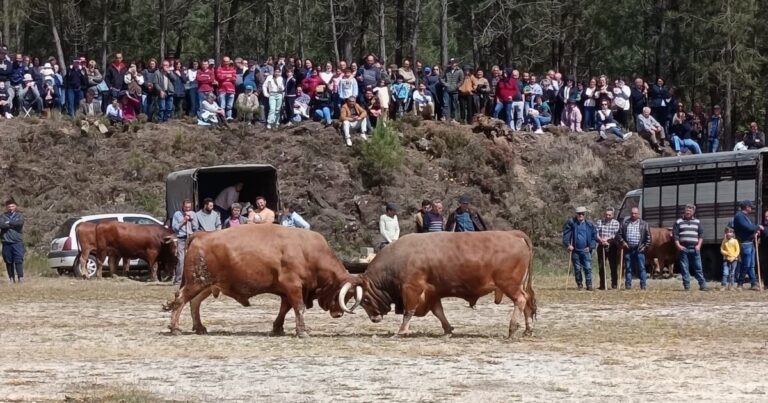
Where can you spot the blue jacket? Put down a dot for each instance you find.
(743, 227)
(577, 234)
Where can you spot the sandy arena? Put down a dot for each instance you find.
(108, 340)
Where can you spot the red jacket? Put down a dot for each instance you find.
(129, 108)
(507, 90)
(205, 80)
(226, 76)
(309, 85)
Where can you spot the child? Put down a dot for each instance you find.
(382, 92)
(730, 250)
(400, 92)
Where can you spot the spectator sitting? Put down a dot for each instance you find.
(129, 105)
(540, 114)
(353, 117)
(389, 227)
(682, 136)
(423, 103)
(606, 123)
(90, 110)
(301, 106)
(433, 219)
(571, 116)
(248, 105)
(115, 112)
(29, 95)
(650, 129)
(321, 104)
(5, 101)
(46, 72)
(290, 218)
(211, 113)
(235, 219)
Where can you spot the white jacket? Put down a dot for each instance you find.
(273, 85)
(621, 97)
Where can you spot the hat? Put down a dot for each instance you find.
(47, 66)
(465, 199)
(249, 87)
(391, 206)
(581, 209)
(452, 61)
(746, 203)
(427, 70)
(716, 107)
(28, 78)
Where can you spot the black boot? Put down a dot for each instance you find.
(19, 270)
(10, 270)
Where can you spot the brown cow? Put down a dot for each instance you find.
(295, 264)
(86, 238)
(151, 242)
(418, 270)
(662, 254)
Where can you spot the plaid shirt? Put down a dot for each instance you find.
(607, 230)
(633, 233)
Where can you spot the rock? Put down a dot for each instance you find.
(423, 144)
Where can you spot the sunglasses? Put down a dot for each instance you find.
(581, 213)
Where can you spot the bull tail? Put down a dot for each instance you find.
(528, 287)
(174, 303)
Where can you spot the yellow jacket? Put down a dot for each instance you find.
(730, 249)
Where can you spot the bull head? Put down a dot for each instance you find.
(343, 294)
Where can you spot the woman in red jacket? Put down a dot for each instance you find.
(204, 80)
(309, 84)
(226, 75)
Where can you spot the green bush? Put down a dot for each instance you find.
(380, 156)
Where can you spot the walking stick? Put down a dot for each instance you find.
(757, 259)
(621, 264)
(568, 273)
(605, 267)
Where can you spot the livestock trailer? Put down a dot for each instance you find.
(196, 184)
(714, 182)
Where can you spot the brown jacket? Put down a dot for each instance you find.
(346, 115)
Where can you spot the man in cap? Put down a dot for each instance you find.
(465, 218)
(688, 236)
(29, 95)
(580, 238)
(247, 104)
(745, 232)
(11, 229)
(389, 227)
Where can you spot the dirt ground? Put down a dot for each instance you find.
(68, 338)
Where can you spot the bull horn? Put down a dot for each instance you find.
(358, 297)
(343, 293)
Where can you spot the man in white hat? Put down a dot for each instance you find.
(580, 238)
(29, 95)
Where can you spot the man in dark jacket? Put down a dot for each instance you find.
(754, 138)
(465, 219)
(638, 99)
(745, 232)
(6, 69)
(426, 205)
(634, 237)
(580, 238)
(76, 80)
(11, 228)
(115, 79)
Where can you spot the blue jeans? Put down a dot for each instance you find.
(747, 265)
(13, 255)
(225, 102)
(450, 104)
(165, 108)
(324, 114)
(688, 143)
(194, 102)
(538, 121)
(589, 117)
(514, 113)
(729, 272)
(73, 101)
(275, 106)
(147, 107)
(714, 145)
(633, 256)
(582, 260)
(687, 257)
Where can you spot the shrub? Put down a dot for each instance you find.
(380, 156)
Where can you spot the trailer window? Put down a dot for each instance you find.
(627, 205)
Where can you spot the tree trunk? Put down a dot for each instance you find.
(217, 29)
(104, 34)
(268, 24)
(231, 25)
(163, 27)
(475, 47)
(301, 29)
(662, 28)
(415, 33)
(382, 33)
(334, 33)
(399, 32)
(56, 38)
(444, 32)
(6, 23)
(365, 14)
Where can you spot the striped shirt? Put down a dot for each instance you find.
(633, 233)
(687, 232)
(607, 230)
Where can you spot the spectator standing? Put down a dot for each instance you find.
(226, 76)
(450, 83)
(382, 92)
(183, 224)
(178, 77)
(92, 72)
(715, 130)
(261, 214)
(274, 88)
(433, 219)
(389, 227)
(291, 218)
(607, 250)
(638, 99)
(227, 197)
(688, 236)
(745, 232)
(659, 100)
(151, 93)
(367, 76)
(6, 70)
(580, 238)
(590, 105)
(507, 94)
(114, 77)
(621, 95)
(291, 89)
(208, 219)
(408, 75)
(467, 96)
(204, 79)
(634, 237)
(11, 235)
(730, 250)
(235, 219)
(190, 87)
(75, 82)
(418, 218)
(563, 95)
(465, 218)
(164, 91)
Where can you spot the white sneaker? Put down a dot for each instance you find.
(269, 127)
(539, 131)
(603, 135)
(626, 136)
(349, 142)
(364, 136)
(8, 115)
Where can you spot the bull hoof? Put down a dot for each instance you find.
(400, 335)
(302, 335)
(448, 335)
(175, 331)
(277, 332)
(201, 331)
(512, 338)
(528, 333)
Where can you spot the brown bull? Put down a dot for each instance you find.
(662, 253)
(86, 239)
(418, 270)
(295, 264)
(151, 242)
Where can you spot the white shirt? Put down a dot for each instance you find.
(621, 97)
(227, 197)
(273, 85)
(422, 99)
(389, 228)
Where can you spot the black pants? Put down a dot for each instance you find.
(289, 100)
(622, 117)
(466, 106)
(609, 253)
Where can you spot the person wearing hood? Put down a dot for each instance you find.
(74, 83)
(564, 93)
